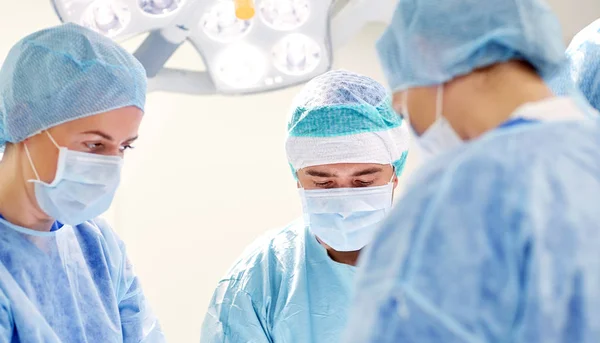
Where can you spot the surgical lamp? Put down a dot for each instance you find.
(283, 43)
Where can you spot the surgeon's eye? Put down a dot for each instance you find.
(326, 184)
(127, 147)
(360, 183)
(93, 147)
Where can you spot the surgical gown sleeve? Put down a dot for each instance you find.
(138, 322)
(445, 266)
(233, 317)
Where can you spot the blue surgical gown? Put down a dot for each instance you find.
(74, 284)
(284, 288)
(496, 242)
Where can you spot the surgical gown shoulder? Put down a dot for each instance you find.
(526, 147)
(529, 161)
(285, 288)
(101, 228)
(99, 232)
(497, 236)
(95, 294)
(270, 257)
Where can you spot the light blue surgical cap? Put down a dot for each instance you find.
(344, 117)
(583, 68)
(61, 74)
(430, 42)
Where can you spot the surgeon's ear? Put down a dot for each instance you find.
(395, 181)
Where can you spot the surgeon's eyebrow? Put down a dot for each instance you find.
(369, 171)
(107, 136)
(317, 173)
(132, 139)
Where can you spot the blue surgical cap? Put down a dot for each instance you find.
(583, 68)
(430, 42)
(61, 74)
(343, 117)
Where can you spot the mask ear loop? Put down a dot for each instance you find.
(37, 176)
(393, 173)
(391, 183)
(52, 139)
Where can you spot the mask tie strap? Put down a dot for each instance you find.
(37, 176)
(52, 139)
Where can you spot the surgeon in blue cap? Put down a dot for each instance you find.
(346, 148)
(496, 238)
(583, 68)
(71, 102)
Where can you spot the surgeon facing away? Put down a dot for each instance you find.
(346, 147)
(496, 239)
(583, 67)
(71, 102)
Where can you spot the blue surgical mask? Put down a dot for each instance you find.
(439, 137)
(83, 188)
(346, 218)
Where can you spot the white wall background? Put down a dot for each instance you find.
(209, 173)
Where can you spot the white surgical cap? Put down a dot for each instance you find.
(343, 117)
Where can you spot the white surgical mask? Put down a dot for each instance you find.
(84, 186)
(440, 136)
(346, 218)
